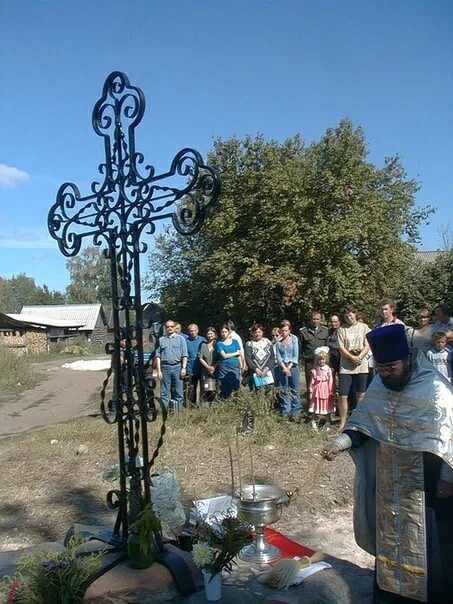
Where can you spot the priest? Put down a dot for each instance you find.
(400, 438)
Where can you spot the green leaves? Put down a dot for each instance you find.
(21, 290)
(146, 524)
(296, 228)
(49, 577)
(89, 274)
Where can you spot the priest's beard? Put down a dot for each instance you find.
(398, 383)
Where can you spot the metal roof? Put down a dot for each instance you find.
(428, 256)
(83, 315)
(9, 322)
(41, 320)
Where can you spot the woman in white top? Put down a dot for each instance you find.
(353, 348)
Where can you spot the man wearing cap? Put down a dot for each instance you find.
(400, 438)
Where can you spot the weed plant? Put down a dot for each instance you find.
(224, 419)
(16, 373)
(47, 577)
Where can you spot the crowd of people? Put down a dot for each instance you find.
(336, 360)
(397, 379)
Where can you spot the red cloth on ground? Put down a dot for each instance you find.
(287, 546)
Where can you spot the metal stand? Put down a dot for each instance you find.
(260, 551)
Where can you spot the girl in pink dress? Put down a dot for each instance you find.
(322, 388)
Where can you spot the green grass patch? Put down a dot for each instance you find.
(16, 373)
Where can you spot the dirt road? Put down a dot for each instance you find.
(61, 395)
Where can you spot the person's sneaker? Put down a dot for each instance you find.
(314, 424)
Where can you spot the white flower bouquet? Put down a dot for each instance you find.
(219, 543)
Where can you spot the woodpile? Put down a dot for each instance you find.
(24, 342)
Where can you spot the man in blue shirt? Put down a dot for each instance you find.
(193, 379)
(171, 364)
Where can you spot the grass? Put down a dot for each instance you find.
(16, 373)
(64, 483)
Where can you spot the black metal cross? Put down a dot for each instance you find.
(131, 199)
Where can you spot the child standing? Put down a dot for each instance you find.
(322, 388)
(439, 355)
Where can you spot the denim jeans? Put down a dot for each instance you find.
(229, 380)
(290, 392)
(171, 385)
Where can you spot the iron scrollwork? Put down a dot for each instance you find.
(124, 204)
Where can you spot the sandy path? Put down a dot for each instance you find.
(62, 395)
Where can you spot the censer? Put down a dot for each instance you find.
(259, 505)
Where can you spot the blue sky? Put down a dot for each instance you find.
(213, 68)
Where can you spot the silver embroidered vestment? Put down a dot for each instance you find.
(389, 514)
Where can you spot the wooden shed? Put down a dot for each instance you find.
(68, 320)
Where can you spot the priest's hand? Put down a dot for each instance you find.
(444, 489)
(330, 451)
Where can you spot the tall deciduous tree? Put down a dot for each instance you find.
(427, 285)
(89, 274)
(296, 228)
(21, 290)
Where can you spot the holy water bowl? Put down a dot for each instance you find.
(261, 505)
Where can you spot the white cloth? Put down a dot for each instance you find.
(308, 571)
(92, 365)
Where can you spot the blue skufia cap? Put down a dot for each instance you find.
(389, 343)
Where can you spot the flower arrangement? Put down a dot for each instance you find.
(165, 499)
(48, 577)
(165, 508)
(219, 542)
(142, 534)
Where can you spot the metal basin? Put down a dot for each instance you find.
(261, 504)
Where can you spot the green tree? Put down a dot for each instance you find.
(22, 290)
(7, 303)
(296, 228)
(426, 286)
(89, 274)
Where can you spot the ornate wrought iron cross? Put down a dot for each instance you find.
(131, 199)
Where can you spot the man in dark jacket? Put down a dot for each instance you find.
(312, 337)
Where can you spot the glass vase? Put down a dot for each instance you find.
(137, 557)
